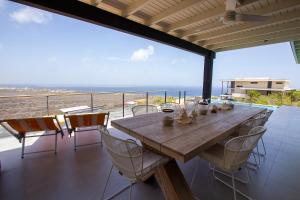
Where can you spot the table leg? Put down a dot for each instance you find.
(172, 182)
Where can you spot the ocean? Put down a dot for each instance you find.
(153, 90)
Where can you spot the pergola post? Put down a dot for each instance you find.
(207, 75)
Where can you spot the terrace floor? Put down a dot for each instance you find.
(81, 174)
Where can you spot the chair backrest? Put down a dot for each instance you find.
(267, 114)
(260, 119)
(85, 120)
(22, 126)
(245, 127)
(126, 155)
(143, 109)
(238, 149)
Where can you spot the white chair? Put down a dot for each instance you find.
(264, 118)
(232, 157)
(131, 160)
(143, 109)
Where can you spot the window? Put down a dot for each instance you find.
(279, 83)
(239, 86)
(254, 82)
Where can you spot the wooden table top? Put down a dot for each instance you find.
(185, 141)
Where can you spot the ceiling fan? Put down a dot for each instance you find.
(231, 16)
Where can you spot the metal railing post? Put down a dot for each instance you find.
(47, 101)
(92, 102)
(179, 96)
(123, 104)
(184, 96)
(147, 101)
(165, 96)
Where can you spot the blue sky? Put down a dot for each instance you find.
(42, 48)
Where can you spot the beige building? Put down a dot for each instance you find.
(239, 86)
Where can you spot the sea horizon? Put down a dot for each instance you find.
(154, 90)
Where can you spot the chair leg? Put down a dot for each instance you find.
(235, 190)
(106, 183)
(258, 154)
(23, 147)
(236, 178)
(233, 186)
(262, 141)
(55, 151)
(251, 165)
(130, 190)
(74, 140)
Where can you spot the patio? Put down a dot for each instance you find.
(81, 174)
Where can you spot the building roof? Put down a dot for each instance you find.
(257, 79)
(198, 21)
(266, 89)
(296, 50)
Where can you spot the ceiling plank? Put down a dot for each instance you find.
(173, 10)
(267, 10)
(216, 12)
(258, 38)
(252, 33)
(247, 26)
(260, 43)
(134, 7)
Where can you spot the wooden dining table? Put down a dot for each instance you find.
(182, 142)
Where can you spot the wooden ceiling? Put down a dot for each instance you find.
(198, 21)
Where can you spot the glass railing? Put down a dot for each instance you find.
(119, 104)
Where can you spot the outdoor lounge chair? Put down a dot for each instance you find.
(76, 123)
(27, 127)
(143, 109)
(130, 159)
(232, 157)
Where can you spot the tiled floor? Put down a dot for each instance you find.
(81, 174)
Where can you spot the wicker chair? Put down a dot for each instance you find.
(76, 123)
(28, 128)
(143, 109)
(262, 120)
(231, 157)
(130, 159)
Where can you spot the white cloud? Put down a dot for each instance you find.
(142, 54)
(30, 15)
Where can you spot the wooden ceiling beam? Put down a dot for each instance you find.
(134, 7)
(267, 37)
(261, 43)
(293, 15)
(173, 10)
(202, 16)
(252, 33)
(267, 10)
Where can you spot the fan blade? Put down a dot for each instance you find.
(231, 5)
(250, 18)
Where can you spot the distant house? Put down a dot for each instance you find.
(238, 87)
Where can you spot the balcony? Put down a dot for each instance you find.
(82, 174)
